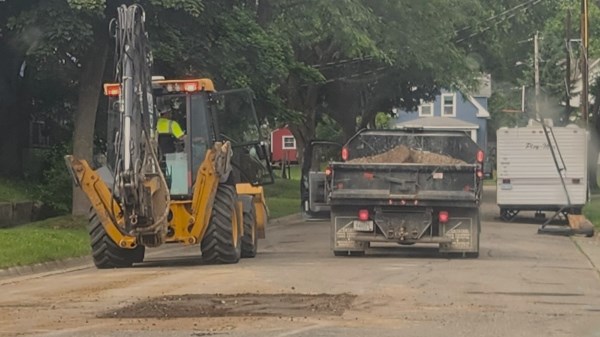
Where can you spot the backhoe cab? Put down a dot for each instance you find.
(213, 176)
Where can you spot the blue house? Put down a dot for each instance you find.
(453, 111)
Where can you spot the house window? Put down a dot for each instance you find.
(426, 109)
(448, 105)
(289, 143)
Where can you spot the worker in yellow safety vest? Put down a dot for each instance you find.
(169, 131)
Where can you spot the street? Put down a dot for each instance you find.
(523, 284)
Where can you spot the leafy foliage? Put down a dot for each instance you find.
(55, 188)
(325, 68)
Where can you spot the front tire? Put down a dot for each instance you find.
(105, 252)
(348, 253)
(222, 242)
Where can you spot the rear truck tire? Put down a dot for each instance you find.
(105, 252)
(348, 253)
(250, 238)
(222, 241)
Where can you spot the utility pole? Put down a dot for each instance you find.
(568, 65)
(536, 66)
(584, 61)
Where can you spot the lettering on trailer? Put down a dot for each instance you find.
(537, 147)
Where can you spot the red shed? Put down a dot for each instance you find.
(283, 145)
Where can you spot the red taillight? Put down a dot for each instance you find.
(480, 156)
(112, 89)
(363, 215)
(443, 217)
(328, 171)
(345, 153)
(190, 86)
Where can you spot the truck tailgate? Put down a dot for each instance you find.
(404, 181)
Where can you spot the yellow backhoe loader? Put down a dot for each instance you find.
(199, 185)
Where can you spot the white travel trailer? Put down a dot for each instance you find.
(530, 177)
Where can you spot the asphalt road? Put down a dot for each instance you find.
(523, 284)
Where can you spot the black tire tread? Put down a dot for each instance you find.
(249, 241)
(217, 244)
(105, 252)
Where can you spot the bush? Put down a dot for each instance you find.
(55, 189)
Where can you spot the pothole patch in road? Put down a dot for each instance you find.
(238, 305)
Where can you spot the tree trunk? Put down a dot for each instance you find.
(90, 83)
(264, 12)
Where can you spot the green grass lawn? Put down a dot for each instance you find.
(14, 190)
(42, 241)
(66, 236)
(592, 211)
(283, 197)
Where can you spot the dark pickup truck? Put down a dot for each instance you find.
(406, 187)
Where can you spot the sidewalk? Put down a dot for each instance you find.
(590, 247)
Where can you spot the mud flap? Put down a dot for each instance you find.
(464, 232)
(342, 235)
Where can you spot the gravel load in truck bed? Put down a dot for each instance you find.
(403, 154)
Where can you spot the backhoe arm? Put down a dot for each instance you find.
(106, 207)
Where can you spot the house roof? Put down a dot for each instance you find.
(438, 123)
(481, 111)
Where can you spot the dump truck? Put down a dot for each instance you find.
(199, 186)
(406, 187)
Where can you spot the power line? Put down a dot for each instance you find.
(513, 11)
(343, 62)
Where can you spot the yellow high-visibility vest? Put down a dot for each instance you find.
(170, 127)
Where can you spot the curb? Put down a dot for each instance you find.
(285, 219)
(590, 248)
(70, 263)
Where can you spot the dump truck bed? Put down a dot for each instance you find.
(394, 183)
(396, 166)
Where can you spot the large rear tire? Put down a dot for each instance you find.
(222, 242)
(250, 238)
(105, 252)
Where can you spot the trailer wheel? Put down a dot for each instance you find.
(508, 215)
(105, 252)
(250, 239)
(222, 242)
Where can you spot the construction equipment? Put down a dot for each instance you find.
(205, 188)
